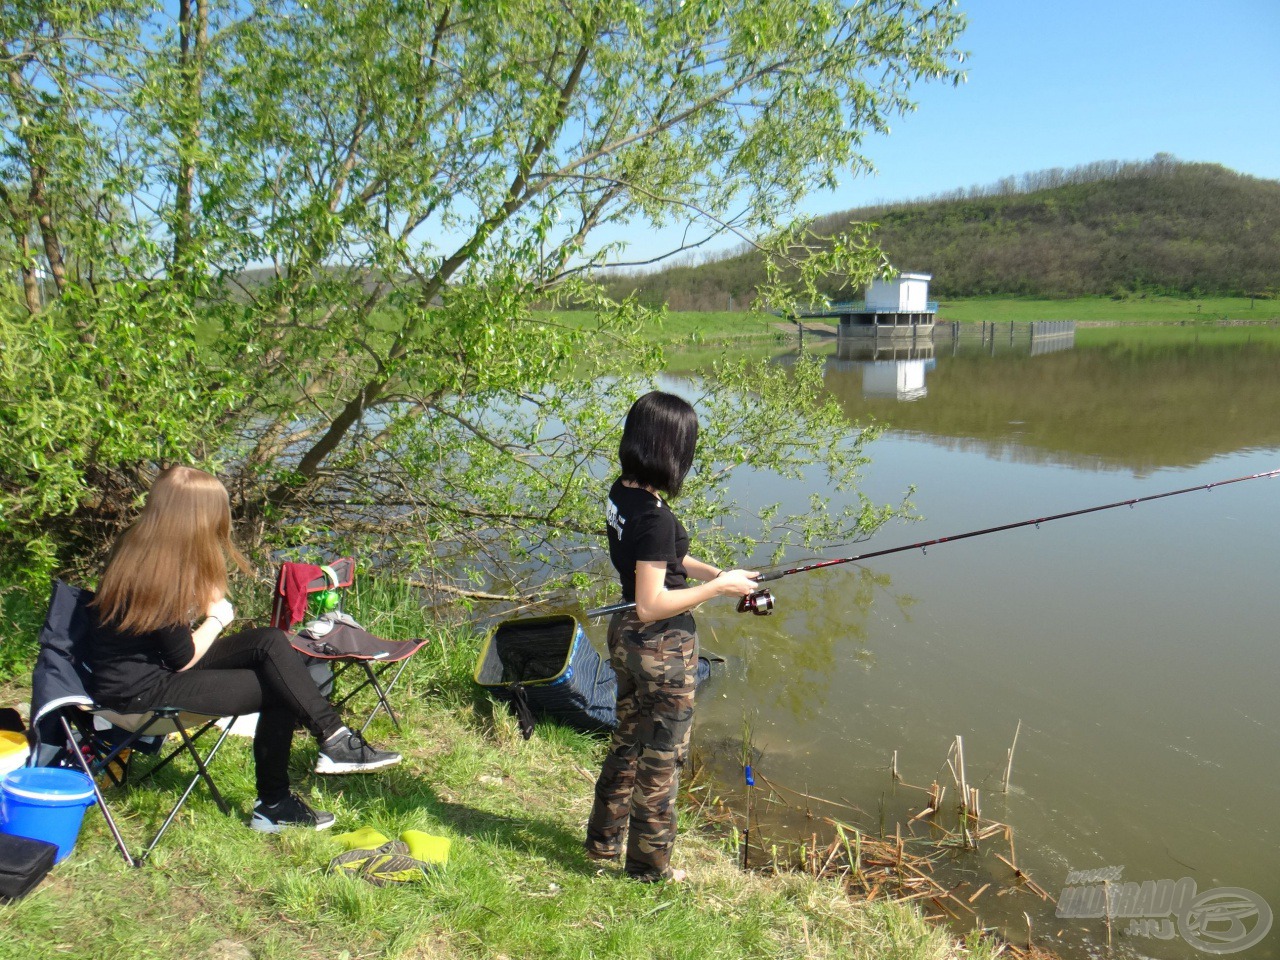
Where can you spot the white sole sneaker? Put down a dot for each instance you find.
(326, 765)
(264, 824)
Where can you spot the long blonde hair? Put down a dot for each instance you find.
(172, 562)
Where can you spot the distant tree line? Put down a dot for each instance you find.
(1109, 228)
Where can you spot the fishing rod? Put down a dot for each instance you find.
(761, 601)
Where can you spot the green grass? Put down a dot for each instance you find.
(693, 329)
(1107, 310)
(517, 883)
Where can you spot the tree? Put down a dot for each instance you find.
(415, 176)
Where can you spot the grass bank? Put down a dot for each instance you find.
(1137, 310)
(690, 328)
(517, 884)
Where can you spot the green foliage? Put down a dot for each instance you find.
(93, 390)
(741, 411)
(20, 621)
(302, 243)
(1106, 229)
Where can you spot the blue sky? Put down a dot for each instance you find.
(1069, 82)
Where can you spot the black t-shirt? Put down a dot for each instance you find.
(642, 527)
(122, 664)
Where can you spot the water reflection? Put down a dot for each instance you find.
(1032, 339)
(1112, 406)
(792, 663)
(1135, 647)
(890, 369)
(895, 368)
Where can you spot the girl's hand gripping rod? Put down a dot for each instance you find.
(761, 601)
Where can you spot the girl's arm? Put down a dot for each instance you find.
(655, 602)
(701, 571)
(219, 614)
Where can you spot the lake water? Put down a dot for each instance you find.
(1137, 646)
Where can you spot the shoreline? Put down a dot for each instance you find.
(518, 883)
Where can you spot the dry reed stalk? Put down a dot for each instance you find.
(883, 867)
(943, 891)
(808, 796)
(1008, 770)
(966, 800)
(943, 907)
(831, 856)
(935, 802)
(923, 894)
(1031, 884)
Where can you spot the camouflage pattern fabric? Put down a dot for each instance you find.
(656, 665)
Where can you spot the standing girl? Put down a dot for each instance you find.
(168, 570)
(654, 648)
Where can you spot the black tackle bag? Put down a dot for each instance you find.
(546, 666)
(24, 862)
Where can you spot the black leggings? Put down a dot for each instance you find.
(254, 671)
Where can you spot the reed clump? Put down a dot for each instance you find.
(829, 840)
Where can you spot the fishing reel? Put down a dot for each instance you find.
(760, 603)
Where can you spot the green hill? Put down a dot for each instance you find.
(1108, 229)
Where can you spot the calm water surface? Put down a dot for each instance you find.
(1138, 647)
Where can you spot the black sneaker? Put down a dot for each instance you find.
(289, 812)
(347, 752)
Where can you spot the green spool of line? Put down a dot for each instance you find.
(327, 601)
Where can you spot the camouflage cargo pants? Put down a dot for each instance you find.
(656, 665)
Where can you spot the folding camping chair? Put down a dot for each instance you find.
(344, 642)
(73, 730)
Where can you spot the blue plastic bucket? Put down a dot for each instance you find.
(45, 803)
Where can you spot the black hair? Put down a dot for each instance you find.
(658, 441)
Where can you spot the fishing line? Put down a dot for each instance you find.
(761, 602)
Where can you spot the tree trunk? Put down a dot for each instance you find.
(193, 33)
(19, 225)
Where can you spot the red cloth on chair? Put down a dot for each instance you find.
(291, 593)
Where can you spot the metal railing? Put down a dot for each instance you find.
(861, 306)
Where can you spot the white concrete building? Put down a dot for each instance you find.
(905, 293)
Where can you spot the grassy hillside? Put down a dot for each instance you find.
(1105, 230)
